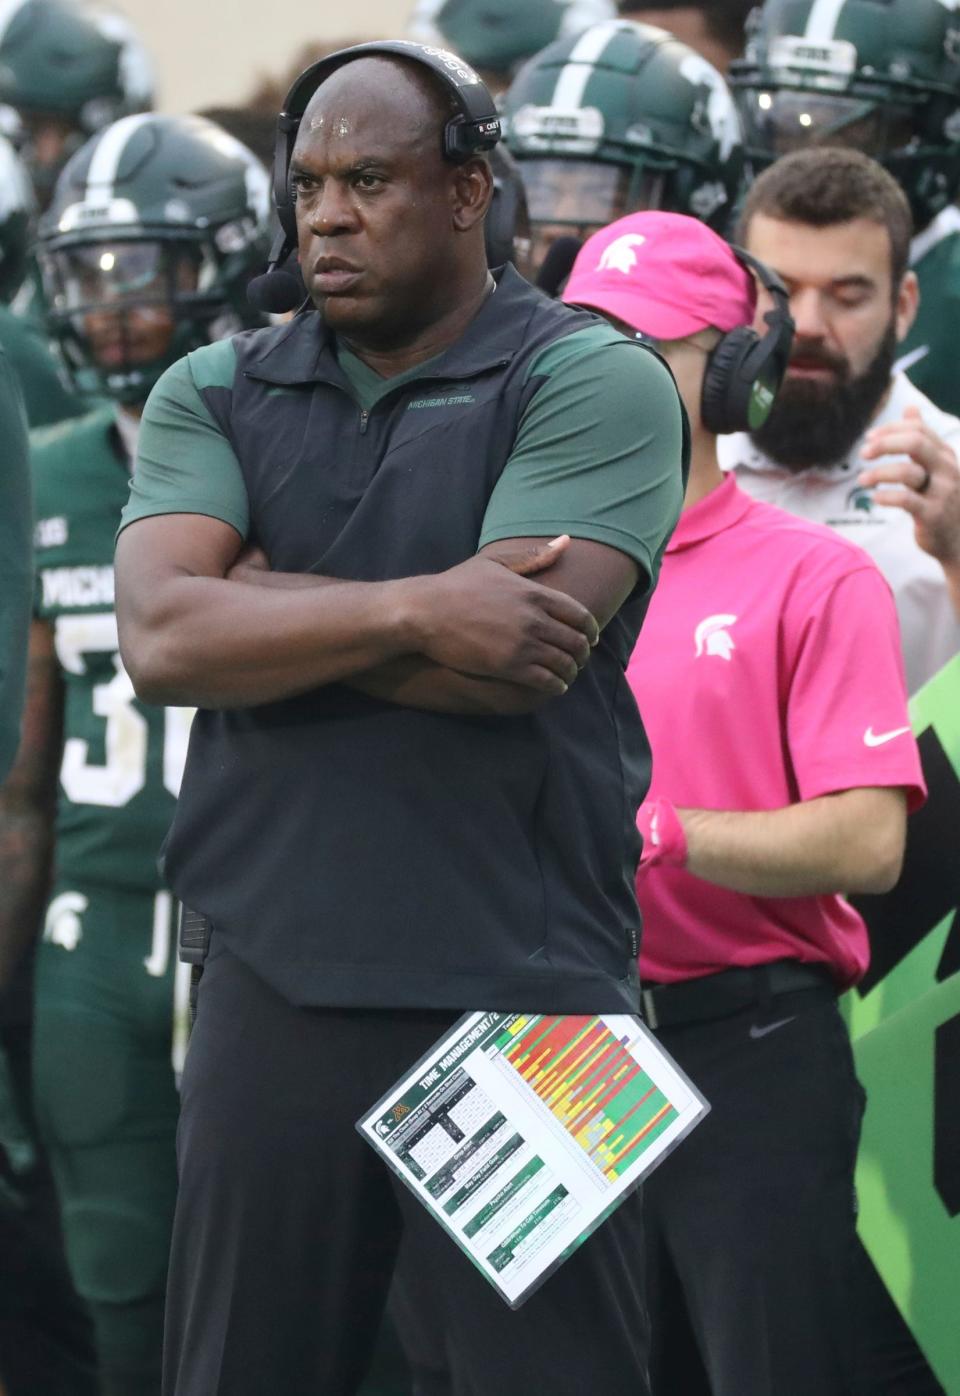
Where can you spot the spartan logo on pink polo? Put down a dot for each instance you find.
(711, 637)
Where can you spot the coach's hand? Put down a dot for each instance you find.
(918, 472)
(251, 565)
(486, 619)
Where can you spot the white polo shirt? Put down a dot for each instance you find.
(929, 626)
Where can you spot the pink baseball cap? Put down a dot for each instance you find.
(664, 274)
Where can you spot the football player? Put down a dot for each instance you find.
(621, 117)
(45, 1342)
(885, 79)
(45, 396)
(66, 71)
(153, 230)
(496, 36)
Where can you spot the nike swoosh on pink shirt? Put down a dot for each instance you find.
(871, 738)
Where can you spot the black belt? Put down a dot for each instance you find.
(729, 991)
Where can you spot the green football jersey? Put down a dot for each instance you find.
(936, 260)
(122, 761)
(46, 396)
(16, 562)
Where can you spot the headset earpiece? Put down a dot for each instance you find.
(745, 370)
(463, 139)
(721, 406)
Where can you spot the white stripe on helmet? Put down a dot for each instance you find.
(822, 21)
(9, 9)
(576, 72)
(108, 154)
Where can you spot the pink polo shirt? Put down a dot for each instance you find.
(768, 671)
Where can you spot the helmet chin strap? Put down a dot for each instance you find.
(128, 426)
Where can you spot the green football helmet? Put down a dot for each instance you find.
(498, 34)
(155, 227)
(622, 117)
(16, 213)
(883, 77)
(70, 69)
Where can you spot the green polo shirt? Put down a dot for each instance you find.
(595, 454)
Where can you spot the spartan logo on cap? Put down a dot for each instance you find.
(711, 637)
(620, 256)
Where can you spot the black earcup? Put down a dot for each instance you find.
(725, 400)
(507, 216)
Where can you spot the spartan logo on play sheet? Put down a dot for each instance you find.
(712, 637)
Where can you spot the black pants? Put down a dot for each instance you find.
(751, 1224)
(288, 1225)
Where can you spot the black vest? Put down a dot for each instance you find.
(353, 852)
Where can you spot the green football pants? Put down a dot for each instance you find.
(106, 1106)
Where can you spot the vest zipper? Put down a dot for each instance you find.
(364, 419)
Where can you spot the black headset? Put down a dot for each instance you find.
(744, 371)
(507, 217)
(473, 129)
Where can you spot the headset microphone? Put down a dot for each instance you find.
(279, 288)
(276, 292)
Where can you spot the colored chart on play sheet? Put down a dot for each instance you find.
(592, 1085)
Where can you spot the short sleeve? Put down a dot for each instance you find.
(185, 463)
(848, 721)
(600, 452)
(16, 561)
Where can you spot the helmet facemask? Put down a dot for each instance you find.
(122, 311)
(155, 228)
(620, 119)
(887, 83)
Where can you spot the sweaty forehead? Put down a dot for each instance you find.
(374, 102)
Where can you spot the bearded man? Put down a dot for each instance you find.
(850, 441)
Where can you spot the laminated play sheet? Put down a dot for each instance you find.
(522, 1132)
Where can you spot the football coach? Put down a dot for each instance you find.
(413, 776)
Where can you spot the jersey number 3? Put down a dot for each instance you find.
(124, 772)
